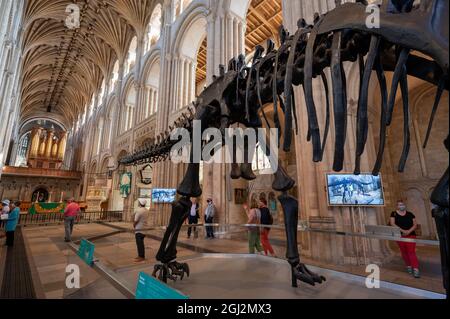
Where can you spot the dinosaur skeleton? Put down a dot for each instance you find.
(237, 96)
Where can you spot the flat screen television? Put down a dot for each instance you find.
(162, 195)
(354, 190)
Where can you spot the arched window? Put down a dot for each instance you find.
(85, 114)
(192, 58)
(114, 77)
(151, 91)
(128, 112)
(91, 106)
(154, 28)
(22, 150)
(131, 60)
(99, 136)
(102, 92)
(109, 131)
(180, 6)
(261, 162)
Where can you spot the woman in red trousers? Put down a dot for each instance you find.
(406, 221)
(266, 219)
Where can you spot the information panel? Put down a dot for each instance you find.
(86, 251)
(149, 287)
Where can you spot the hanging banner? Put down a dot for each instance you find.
(125, 184)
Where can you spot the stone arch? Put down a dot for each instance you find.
(154, 28)
(128, 106)
(114, 77)
(416, 202)
(41, 193)
(121, 153)
(29, 120)
(105, 160)
(150, 83)
(92, 173)
(93, 167)
(131, 56)
(111, 103)
(240, 8)
(191, 33)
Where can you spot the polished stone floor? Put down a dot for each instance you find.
(50, 256)
(233, 276)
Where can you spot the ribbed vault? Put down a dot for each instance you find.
(63, 67)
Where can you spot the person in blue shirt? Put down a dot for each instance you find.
(11, 223)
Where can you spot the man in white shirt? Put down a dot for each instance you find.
(210, 211)
(140, 223)
(193, 218)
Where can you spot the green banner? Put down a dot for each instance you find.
(125, 184)
(46, 208)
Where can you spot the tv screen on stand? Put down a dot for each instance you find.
(162, 195)
(354, 190)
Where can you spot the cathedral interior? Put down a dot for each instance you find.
(87, 83)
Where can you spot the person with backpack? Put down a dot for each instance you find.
(266, 219)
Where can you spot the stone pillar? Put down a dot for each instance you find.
(221, 48)
(166, 100)
(180, 80)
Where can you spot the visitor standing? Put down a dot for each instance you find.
(210, 211)
(11, 223)
(193, 218)
(406, 221)
(5, 210)
(140, 223)
(253, 230)
(266, 219)
(70, 213)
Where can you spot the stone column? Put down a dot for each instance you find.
(193, 82)
(216, 179)
(180, 80)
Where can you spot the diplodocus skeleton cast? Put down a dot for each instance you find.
(238, 95)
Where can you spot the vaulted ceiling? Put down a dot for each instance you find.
(63, 67)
